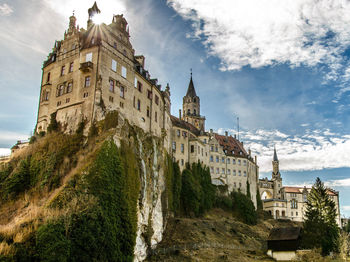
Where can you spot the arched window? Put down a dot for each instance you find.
(194, 111)
(188, 111)
(194, 100)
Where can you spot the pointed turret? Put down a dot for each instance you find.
(275, 155)
(191, 92)
(191, 107)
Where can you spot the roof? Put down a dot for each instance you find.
(231, 145)
(275, 155)
(185, 125)
(284, 233)
(299, 190)
(191, 92)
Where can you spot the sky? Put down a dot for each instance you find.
(282, 67)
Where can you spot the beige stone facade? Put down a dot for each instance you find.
(286, 202)
(228, 161)
(94, 71)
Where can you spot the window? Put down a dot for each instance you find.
(67, 100)
(244, 163)
(88, 57)
(199, 149)
(182, 162)
(156, 99)
(228, 161)
(217, 170)
(139, 86)
(111, 85)
(244, 173)
(58, 103)
(71, 67)
(223, 171)
(211, 159)
(182, 148)
(234, 172)
(122, 92)
(111, 99)
(205, 140)
(188, 111)
(211, 148)
(217, 159)
(240, 184)
(156, 117)
(216, 148)
(86, 94)
(149, 94)
(115, 45)
(60, 90)
(229, 171)
(178, 133)
(87, 81)
(294, 203)
(211, 169)
(223, 160)
(62, 70)
(69, 87)
(239, 162)
(138, 104)
(45, 96)
(296, 213)
(114, 65)
(233, 161)
(48, 77)
(147, 111)
(202, 151)
(123, 71)
(192, 148)
(194, 111)
(135, 82)
(239, 173)
(121, 104)
(174, 146)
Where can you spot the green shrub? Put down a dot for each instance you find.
(51, 242)
(224, 202)
(244, 208)
(53, 126)
(18, 181)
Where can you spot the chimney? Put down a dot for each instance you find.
(211, 131)
(226, 134)
(235, 136)
(255, 160)
(180, 114)
(250, 152)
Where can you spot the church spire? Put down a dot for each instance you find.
(275, 155)
(191, 92)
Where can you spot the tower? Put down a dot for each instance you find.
(191, 107)
(276, 176)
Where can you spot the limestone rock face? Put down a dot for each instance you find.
(152, 203)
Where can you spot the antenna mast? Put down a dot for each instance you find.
(238, 128)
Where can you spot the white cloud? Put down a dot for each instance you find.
(315, 150)
(340, 182)
(5, 151)
(267, 32)
(6, 136)
(345, 208)
(5, 10)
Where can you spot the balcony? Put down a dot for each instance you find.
(86, 67)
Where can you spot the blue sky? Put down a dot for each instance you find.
(282, 68)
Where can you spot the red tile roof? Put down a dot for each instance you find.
(231, 145)
(289, 189)
(183, 124)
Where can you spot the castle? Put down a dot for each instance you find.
(286, 202)
(95, 70)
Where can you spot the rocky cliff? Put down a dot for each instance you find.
(77, 198)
